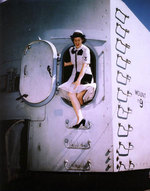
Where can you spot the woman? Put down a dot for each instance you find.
(81, 79)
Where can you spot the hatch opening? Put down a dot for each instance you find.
(67, 71)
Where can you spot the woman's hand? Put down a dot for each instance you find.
(76, 84)
(82, 72)
(67, 63)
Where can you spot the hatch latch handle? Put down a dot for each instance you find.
(49, 70)
(22, 96)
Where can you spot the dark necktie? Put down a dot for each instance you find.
(76, 60)
(80, 52)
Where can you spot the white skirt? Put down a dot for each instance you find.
(70, 87)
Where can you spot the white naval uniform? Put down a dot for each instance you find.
(83, 56)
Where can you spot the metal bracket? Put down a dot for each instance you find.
(122, 113)
(27, 48)
(57, 89)
(124, 151)
(121, 16)
(120, 165)
(131, 165)
(121, 96)
(122, 131)
(77, 167)
(107, 160)
(70, 145)
(108, 152)
(108, 167)
(120, 46)
(58, 57)
(121, 31)
(120, 62)
(121, 79)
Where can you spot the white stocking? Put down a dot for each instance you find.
(76, 106)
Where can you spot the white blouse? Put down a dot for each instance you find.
(83, 56)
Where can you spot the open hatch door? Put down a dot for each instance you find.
(38, 73)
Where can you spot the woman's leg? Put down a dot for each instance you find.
(76, 106)
(80, 96)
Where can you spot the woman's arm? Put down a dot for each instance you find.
(67, 63)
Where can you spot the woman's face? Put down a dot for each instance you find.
(77, 42)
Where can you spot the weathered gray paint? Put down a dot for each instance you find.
(55, 21)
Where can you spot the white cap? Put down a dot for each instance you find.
(78, 31)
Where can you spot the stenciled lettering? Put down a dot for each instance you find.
(140, 94)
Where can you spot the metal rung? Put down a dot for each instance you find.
(124, 151)
(120, 165)
(121, 47)
(70, 145)
(122, 113)
(121, 31)
(122, 63)
(121, 16)
(122, 131)
(122, 96)
(131, 165)
(77, 167)
(122, 79)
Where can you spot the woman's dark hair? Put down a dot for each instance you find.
(78, 34)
